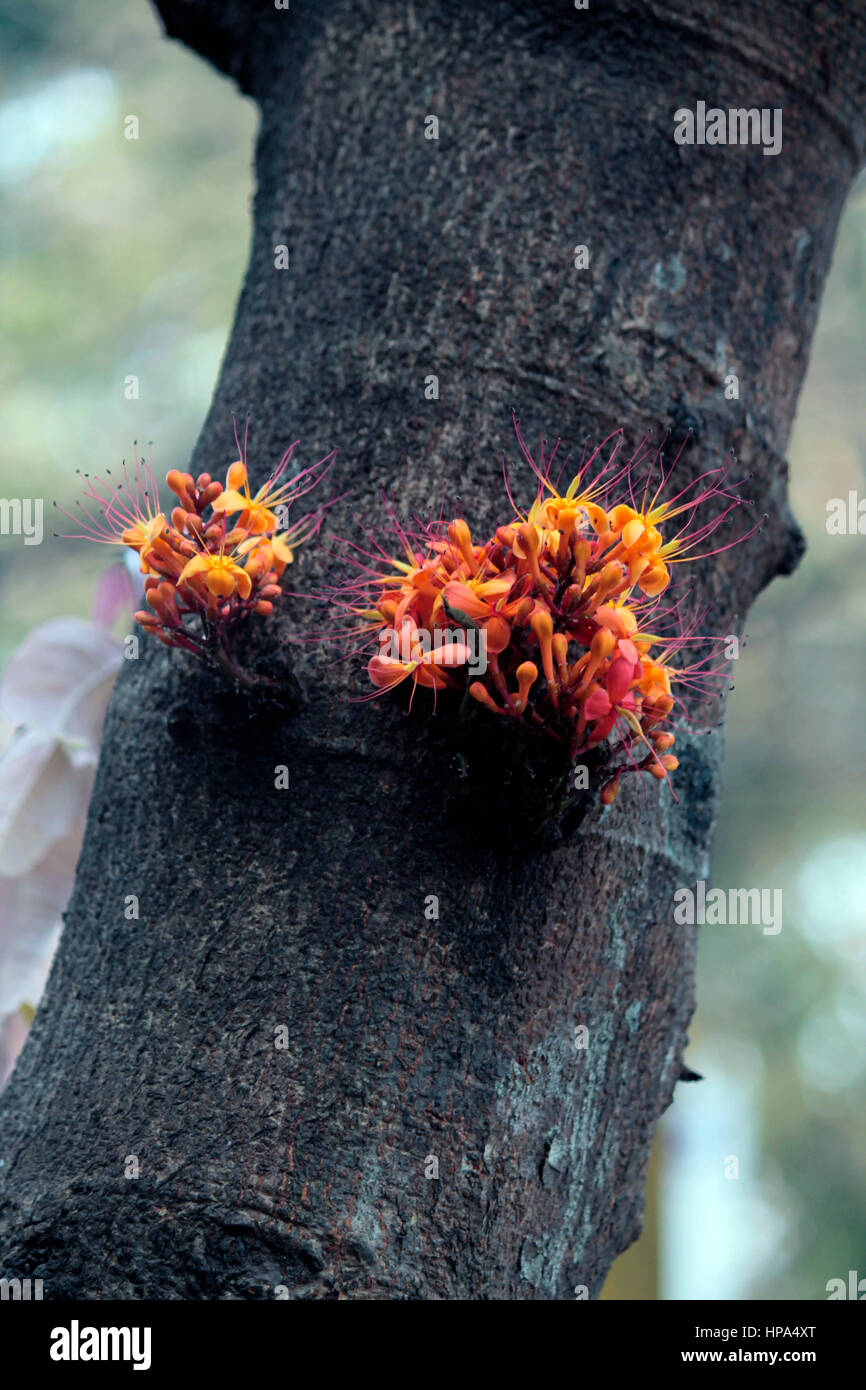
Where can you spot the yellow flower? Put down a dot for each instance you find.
(258, 516)
(141, 535)
(222, 575)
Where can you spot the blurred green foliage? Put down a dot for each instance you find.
(118, 257)
(794, 816)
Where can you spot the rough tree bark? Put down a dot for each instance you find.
(407, 1037)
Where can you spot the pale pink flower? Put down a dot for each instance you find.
(56, 688)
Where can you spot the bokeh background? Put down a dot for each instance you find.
(124, 257)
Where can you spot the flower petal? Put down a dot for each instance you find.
(633, 532)
(385, 672)
(230, 501)
(31, 908)
(449, 654)
(41, 798)
(243, 581)
(597, 704)
(654, 580)
(619, 679)
(461, 599)
(82, 729)
(194, 566)
(56, 658)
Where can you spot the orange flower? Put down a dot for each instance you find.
(259, 513)
(552, 591)
(426, 667)
(222, 574)
(203, 575)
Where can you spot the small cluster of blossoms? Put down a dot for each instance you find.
(214, 559)
(562, 598)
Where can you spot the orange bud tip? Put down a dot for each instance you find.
(478, 692)
(527, 675)
(610, 791)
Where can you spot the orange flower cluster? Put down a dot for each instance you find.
(215, 559)
(545, 622)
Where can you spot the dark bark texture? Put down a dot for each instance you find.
(408, 1038)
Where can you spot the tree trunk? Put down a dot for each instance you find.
(412, 1039)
